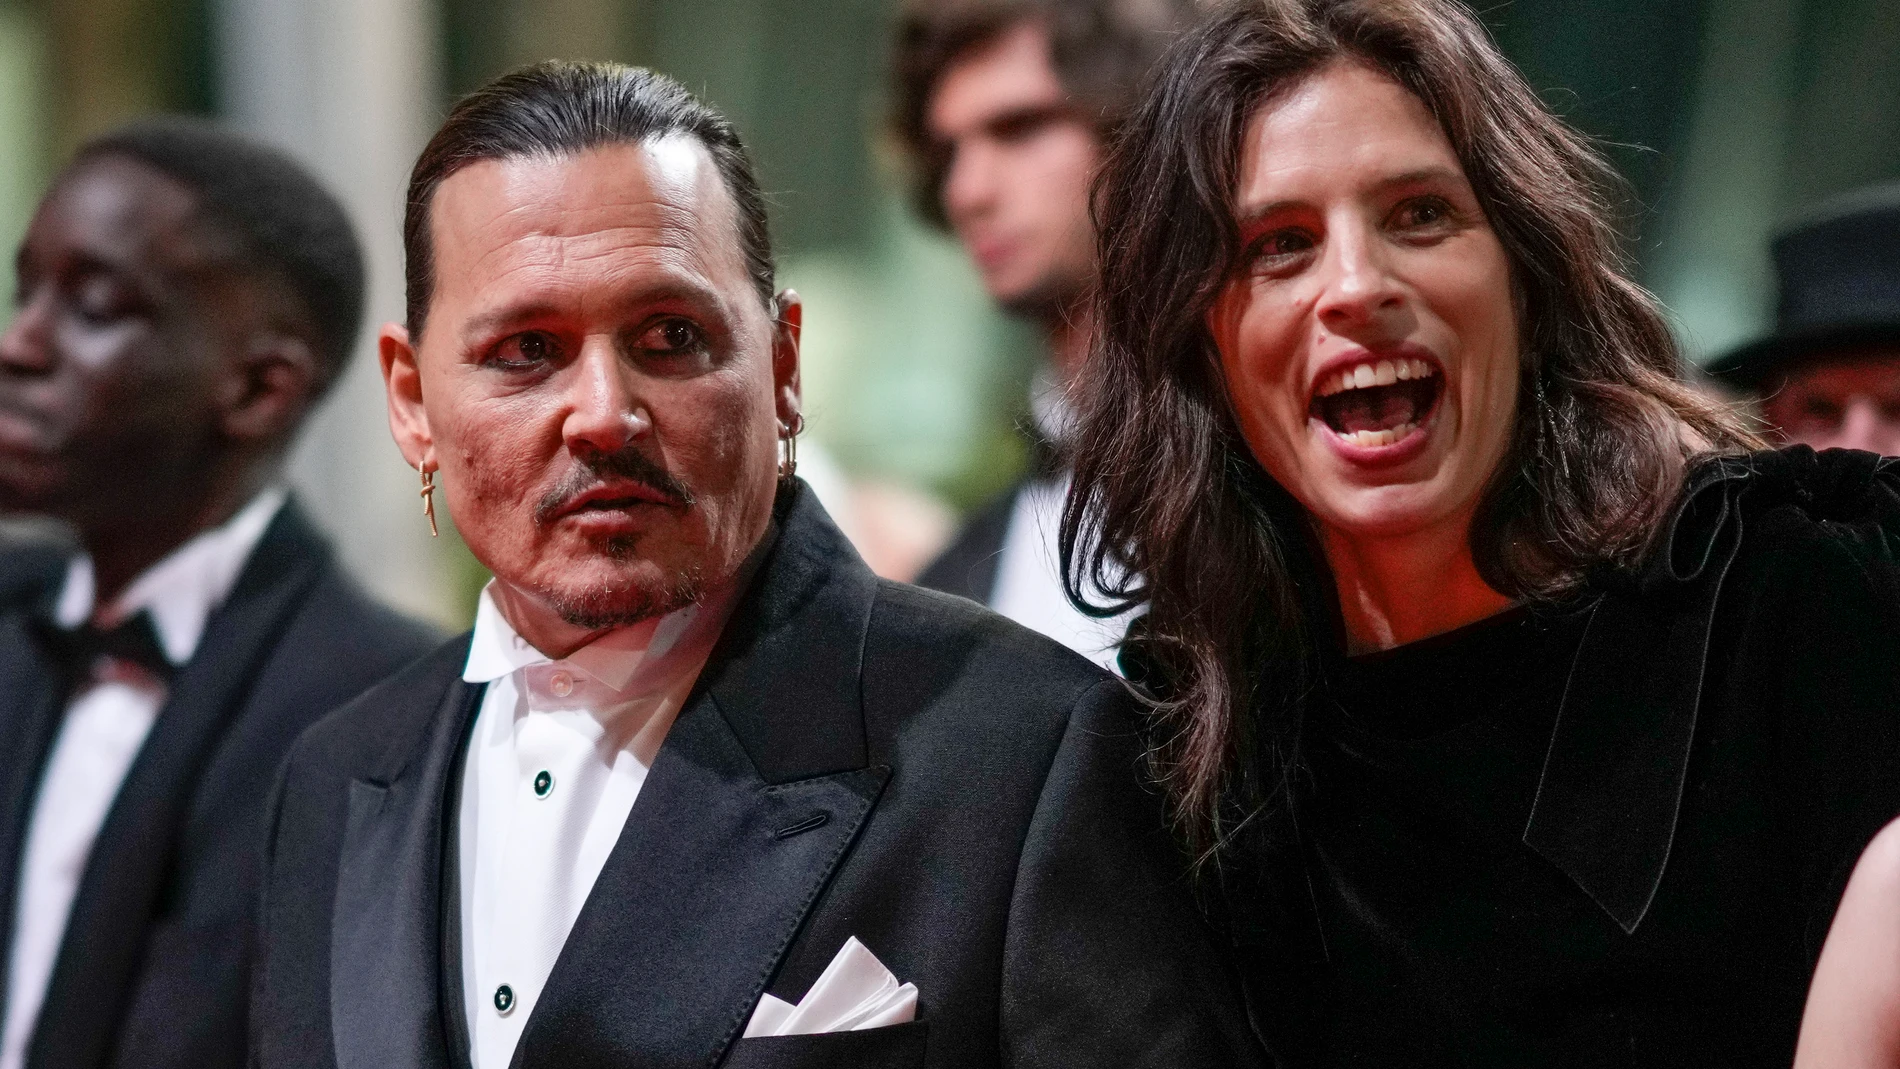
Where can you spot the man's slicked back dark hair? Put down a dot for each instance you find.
(559, 108)
(1101, 50)
(281, 218)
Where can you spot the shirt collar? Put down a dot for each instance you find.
(615, 658)
(183, 589)
(1050, 409)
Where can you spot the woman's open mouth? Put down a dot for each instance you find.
(1378, 403)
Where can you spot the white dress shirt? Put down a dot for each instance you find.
(1028, 586)
(558, 755)
(1029, 577)
(107, 720)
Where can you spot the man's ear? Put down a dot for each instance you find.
(271, 386)
(402, 382)
(785, 337)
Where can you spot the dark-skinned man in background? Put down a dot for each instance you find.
(185, 298)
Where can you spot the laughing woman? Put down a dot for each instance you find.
(1524, 711)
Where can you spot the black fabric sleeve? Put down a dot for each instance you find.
(267, 851)
(1829, 637)
(1107, 959)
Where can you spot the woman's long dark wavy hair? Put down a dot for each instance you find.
(1169, 507)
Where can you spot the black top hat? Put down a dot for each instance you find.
(1839, 273)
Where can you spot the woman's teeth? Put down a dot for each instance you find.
(1376, 439)
(1381, 373)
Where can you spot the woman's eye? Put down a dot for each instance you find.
(1424, 213)
(533, 347)
(1281, 248)
(671, 336)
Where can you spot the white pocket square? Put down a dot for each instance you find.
(854, 992)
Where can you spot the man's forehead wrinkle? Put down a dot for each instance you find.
(123, 220)
(599, 228)
(617, 249)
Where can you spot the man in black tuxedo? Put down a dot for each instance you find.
(185, 297)
(698, 789)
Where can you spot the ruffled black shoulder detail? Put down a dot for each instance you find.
(1856, 494)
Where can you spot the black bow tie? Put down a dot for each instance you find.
(134, 640)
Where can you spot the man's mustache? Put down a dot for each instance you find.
(626, 465)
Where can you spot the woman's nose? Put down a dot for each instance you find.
(1358, 289)
(604, 411)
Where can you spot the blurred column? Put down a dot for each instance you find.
(351, 88)
(1712, 263)
(23, 131)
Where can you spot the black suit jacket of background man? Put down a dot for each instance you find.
(859, 758)
(153, 971)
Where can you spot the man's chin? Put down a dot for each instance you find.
(624, 600)
(1045, 300)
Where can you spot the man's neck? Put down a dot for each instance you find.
(1067, 335)
(124, 545)
(539, 625)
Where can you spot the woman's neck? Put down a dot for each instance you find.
(1398, 590)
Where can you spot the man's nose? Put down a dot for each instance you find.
(1358, 292)
(969, 184)
(604, 411)
(26, 346)
(1865, 426)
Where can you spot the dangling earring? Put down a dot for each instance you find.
(788, 465)
(428, 499)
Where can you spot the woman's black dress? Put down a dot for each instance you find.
(1609, 834)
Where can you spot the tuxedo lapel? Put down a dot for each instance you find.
(30, 696)
(699, 899)
(387, 930)
(124, 878)
(752, 803)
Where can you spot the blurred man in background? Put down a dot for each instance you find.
(185, 298)
(1005, 107)
(1829, 375)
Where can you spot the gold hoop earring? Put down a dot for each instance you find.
(788, 465)
(428, 499)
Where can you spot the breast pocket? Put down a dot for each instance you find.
(899, 1046)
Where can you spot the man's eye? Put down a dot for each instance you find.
(533, 347)
(99, 300)
(671, 336)
(1821, 412)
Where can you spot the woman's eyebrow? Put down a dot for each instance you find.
(1254, 215)
(1423, 176)
(1430, 175)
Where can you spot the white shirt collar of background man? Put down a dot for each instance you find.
(182, 590)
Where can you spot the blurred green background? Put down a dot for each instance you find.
(1727, 116)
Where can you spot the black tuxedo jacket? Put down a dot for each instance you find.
(967, 567)
(859, 758)
(154, 967)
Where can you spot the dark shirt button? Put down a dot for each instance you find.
(543, 783)
(504, 999)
